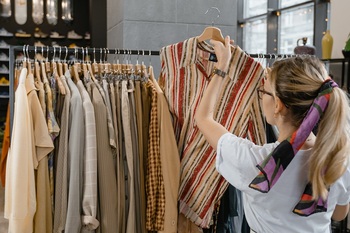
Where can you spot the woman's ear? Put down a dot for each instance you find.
(280, 107)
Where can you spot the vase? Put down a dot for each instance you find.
(327, 45)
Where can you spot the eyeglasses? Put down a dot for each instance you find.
(261, 92)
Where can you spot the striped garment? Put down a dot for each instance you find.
(185, 67)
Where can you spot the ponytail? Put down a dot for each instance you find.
(330, 154)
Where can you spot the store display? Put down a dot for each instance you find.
(23, 34)
(38, 11)
(4, 69)
(327, 45)
(3, 44)
(5, 8)
(56, 35)
(304, 49)
(3, 57)
(5, 33)
(21, 11)
(51, 12)
(4, 81)
(39, 34)
(73, 35)
(87, 36)
(67, 10)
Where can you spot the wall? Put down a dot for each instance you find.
(339, 25)
(153, 24)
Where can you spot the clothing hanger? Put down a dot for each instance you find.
(29, 63)
(24, 62)
(59, 64)
(37, 67)
(211, 32)
(65, 64)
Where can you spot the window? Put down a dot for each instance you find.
(295, 24)
(254, 7)
(270, 26)
(255, 36)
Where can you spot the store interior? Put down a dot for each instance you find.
(134, 31)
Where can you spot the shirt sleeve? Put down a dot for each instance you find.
(237, 159)
(344, 197)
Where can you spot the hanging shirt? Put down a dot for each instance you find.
(185, 67)
(30, 143)
(89, 200)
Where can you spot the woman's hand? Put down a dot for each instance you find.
(223, 53)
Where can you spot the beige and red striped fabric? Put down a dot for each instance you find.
(185, 68)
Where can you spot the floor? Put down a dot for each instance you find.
(3, 221)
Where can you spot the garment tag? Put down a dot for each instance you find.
(212, 57)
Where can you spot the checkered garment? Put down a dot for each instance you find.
(155, 192)
(185, 68)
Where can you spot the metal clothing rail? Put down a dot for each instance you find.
(64, 51)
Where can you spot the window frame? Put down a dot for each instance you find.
(272, 14)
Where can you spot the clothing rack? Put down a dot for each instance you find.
(64, 51)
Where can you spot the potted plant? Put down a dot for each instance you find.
(346, 50)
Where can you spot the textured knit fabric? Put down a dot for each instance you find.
(89, 199)
(185, 67)
(154, 179)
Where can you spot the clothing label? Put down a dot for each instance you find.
(212, 57)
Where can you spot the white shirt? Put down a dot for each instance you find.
(272, 212)
(20, 199)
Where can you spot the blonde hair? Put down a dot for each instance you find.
(296, 81)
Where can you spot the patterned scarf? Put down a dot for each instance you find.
(277, 161)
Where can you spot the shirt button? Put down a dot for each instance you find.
(173, 222)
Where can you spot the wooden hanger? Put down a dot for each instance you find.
(211, 33)
(37, 71)
(43, 71)
(57, 78)
(92, 75)
(75, 71)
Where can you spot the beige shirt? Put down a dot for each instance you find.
(28, 146)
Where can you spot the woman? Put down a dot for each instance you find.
(300, 182)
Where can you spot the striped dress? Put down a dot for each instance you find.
(185, 68)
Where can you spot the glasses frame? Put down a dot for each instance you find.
(260, 90)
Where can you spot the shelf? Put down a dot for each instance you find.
(4, 85)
